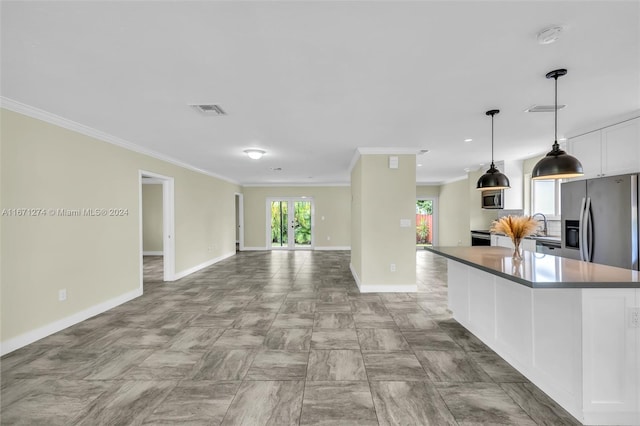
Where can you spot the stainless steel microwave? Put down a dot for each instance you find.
(492, 199)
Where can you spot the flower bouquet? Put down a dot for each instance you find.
(516, 228)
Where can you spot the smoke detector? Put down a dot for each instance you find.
(550, 35)
(209, 109)
(544, 108)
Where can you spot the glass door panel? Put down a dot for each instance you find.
(302, 223)
(279, 224)
(290, 223)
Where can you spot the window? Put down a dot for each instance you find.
(545, 197)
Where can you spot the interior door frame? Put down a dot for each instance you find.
(240, 224)
(434, 231)
(168, 223)
(291, 242)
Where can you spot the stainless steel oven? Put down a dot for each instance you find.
(492, 199)
(480, 238)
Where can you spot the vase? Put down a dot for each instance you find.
(517, 252)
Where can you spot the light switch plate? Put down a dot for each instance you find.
(405, 223)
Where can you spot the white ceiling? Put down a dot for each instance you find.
(310, 82)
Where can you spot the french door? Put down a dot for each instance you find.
(290, 223)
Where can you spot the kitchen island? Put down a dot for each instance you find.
(571, 327)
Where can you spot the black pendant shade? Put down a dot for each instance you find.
(492, 179)
(557, 164)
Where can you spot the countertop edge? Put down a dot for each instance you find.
(530, 284)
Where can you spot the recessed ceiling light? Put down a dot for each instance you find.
(209, 109)
(466, 169)
(544, 108)
(550, 35)
(468, 140)
(255, 154)
(419, 165)
(562, 140)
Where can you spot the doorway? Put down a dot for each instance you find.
(426, 222)
(164, 268)
(290, 223)
(239, 201)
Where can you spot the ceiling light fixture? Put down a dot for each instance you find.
(557, 164)
(492, 179)
(550, 35)
(255, 154)
(468, 140)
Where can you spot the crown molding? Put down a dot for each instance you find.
(296, 185)
(380, 151)
(65, 123)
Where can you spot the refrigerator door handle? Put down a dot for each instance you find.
(588, 231)
(581, 237)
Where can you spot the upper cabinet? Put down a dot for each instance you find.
(612, 150)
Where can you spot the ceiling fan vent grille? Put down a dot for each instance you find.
(210, 109)
(543, 108)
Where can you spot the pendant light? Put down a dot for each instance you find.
(557, 164)
(492, 179)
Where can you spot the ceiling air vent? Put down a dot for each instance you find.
(543, 108)
(210, 109)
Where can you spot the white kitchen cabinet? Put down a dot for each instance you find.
(612, 150)
(514, 196)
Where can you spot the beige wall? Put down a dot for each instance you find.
(454, 214)
(356, 219)
(427, 191)
(387, 196)
(97, 259)
(152, 217)
(331, 202)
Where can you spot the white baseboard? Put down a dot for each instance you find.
(382, 288)
(388, 288)
(254, 249)
(355, 275)
(206, 264)
(152, 253)
(42, 332)
(333, 248)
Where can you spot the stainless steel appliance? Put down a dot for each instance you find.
(480, 238)
(492, 199)
(600, 220)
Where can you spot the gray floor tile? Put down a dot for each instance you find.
(497, 368)
(293, 321)
(335, 339)
(223, 364)
(333, 320)
(414, 320)
(392, 366)
(278, 365)
(195, 338)
(194, 402)
(374, 320)
(338, 403)
(542, 409)
(256, 320)
(451, 366)
(240, 338)
(430, 340)
(410, 403)
(129, 403)
(337, 364)
(482, 403)
(382, 340)
(275, 403)
(288, 339)
(165, 365)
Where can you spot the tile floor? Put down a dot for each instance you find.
(271, 338)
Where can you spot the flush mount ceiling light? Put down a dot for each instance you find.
(557, 164)
(550, 35)
(468, 140)
(209, 109)
(492, 179)
(255, 154)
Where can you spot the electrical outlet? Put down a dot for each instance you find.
(328, 238)
(62, 295)
(392, 267)
(634, 317)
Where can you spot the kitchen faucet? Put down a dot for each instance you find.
(544, 221)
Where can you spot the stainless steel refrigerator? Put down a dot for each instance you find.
(600, 220)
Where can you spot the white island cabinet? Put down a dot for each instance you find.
(567, 325)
